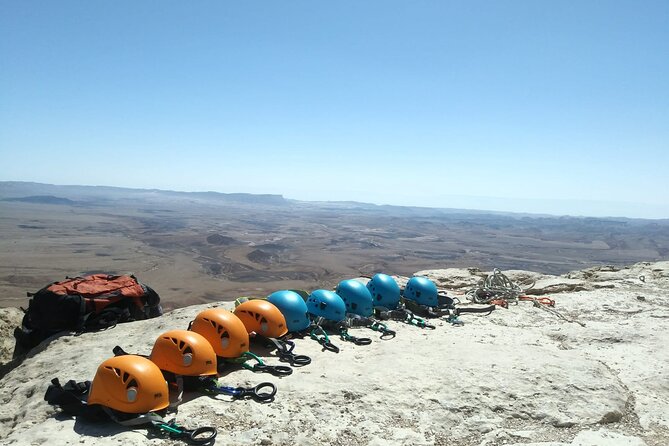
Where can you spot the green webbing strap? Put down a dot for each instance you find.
(145, 418)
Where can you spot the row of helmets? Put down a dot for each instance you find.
(136, 384)
(352, 296)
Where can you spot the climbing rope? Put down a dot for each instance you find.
(498, 289)
(494, 287)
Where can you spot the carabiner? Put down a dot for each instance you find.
(259, 395)
(255, 393)
(276, 370)
(324, 340)
(200, 436)
(286, 354)
(343, 333)
(386, 333)
(411, 319)
(260, 366)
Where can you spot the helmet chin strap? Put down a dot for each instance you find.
(180, 391)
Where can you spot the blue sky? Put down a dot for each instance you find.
(528, 106)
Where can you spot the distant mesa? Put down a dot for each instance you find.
(261, 256)
(42, 199)
(218, 239)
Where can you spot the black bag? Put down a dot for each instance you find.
(86, 303)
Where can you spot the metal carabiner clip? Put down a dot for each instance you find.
(200, 436)
(323, 340)
(286, 354)
(386, 333)
(258, 394)
(260, 366)
(276, 370)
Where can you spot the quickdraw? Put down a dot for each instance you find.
(260, 366)
(317, 333)
(284, 348)
(386, 333)
(200, 436)
(263, 392)
(344, 334)
(403, 315)
(355, 320)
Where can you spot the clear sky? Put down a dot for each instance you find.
(530, 106)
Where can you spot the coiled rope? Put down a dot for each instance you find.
(496, 286)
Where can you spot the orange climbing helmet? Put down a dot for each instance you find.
(224, 331)
(184, 352)
(130, 384)
(262, 317)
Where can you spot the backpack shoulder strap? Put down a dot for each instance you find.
(71, 398)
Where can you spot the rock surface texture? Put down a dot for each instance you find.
(593, 370)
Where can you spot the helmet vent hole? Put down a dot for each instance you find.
(126, 376)
(188, 350)
(354, 306)
(132, 383)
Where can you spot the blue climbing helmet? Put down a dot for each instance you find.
(326, 304)
(356, 296)
(293, 307)
(422, 291)
(385, 291)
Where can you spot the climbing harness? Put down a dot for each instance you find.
(131, 391)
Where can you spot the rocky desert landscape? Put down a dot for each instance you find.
(590, 371)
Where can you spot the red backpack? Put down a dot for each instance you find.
(86, 303)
